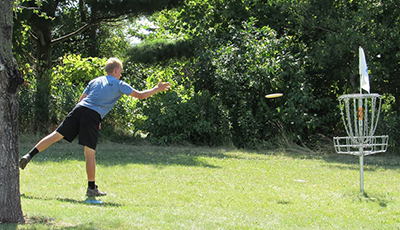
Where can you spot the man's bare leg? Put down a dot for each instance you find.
(90, 163)
(48, 140)
(91, 173)
(43, 144)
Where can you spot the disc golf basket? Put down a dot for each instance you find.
(360, 113)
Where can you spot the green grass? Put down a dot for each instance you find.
(208, 188)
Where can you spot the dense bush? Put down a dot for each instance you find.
(222, 98)
(160, 50)
(198, 120)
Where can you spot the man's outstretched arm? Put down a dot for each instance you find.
(161, 86)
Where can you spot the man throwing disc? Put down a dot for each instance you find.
(96, 101)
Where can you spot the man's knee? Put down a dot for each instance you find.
(56, 136)
(89, 151)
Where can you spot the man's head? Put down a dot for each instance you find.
(114, 67)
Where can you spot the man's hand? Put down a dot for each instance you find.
(163, 86)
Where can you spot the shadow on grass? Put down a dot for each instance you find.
(381, 200)
(158, 156)
(42, 222)
(348, 162)
(8, 226)
(371, 162)
(68, 200)
(110, 154)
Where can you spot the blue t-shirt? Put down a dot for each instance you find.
(103, 92)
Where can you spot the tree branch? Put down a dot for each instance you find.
(32, 35)
(65, 37)
(86, 26)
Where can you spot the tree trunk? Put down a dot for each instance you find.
(43, 84)
(93, 49)
(10, 199)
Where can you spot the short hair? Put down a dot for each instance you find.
(113, 63)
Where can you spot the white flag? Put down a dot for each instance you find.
(363, 70)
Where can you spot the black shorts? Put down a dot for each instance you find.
(83, 122)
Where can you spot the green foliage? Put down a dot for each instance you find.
(181, 116)
(35, 6)
(316, 55)
(224, 93)
(243, 71)
(26, 107)
(390, 120)
(160, 50)
(331, 33)
(198, 120)
(246, 68)
(70, 78)
(222, 57)
(74, 69)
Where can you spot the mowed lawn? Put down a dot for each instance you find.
(208, 188)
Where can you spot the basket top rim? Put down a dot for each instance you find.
(360, 96)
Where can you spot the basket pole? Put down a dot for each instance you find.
(361, 171)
